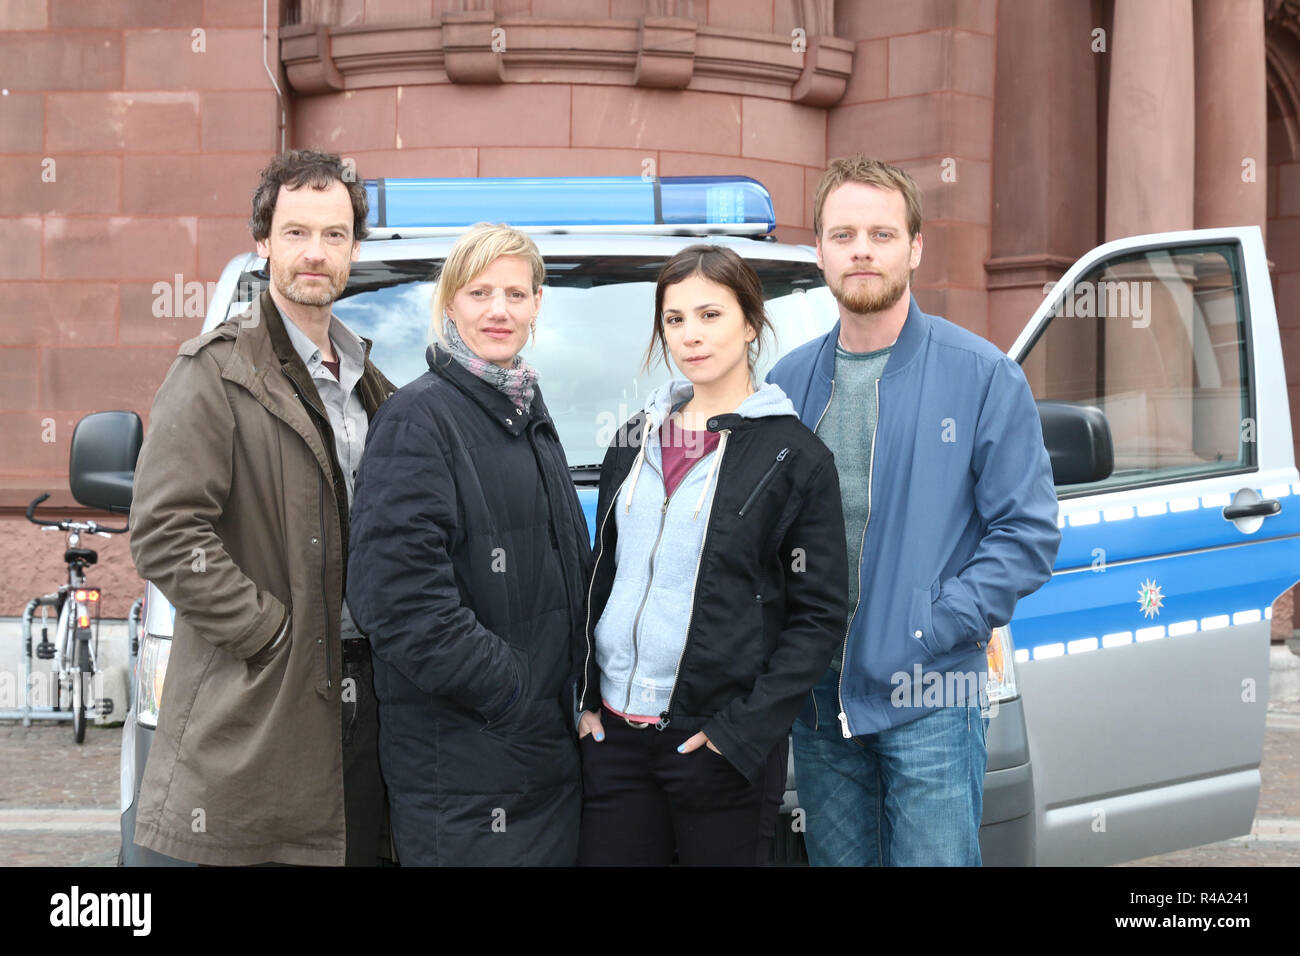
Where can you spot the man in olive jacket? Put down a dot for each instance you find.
(240, 517)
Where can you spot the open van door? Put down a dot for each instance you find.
(1143, 662)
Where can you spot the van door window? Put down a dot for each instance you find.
(1157, 340)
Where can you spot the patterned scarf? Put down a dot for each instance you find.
(517, 382)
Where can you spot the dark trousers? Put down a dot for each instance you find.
(365, 799)
(642, 799)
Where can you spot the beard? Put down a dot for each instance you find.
(286, 281)
(862, 300)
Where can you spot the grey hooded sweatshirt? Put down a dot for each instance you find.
(641, 634)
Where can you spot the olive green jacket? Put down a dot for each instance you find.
(240, 517)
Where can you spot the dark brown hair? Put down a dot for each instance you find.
(872, 172)
(306, 167)
(723, 266)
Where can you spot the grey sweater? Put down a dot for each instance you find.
(848, 429)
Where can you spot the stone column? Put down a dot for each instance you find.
(1231, 113)
(1150, 187)
(1045, 155)
(1151, 126)
(921, 95)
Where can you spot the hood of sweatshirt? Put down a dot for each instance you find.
(767, 401)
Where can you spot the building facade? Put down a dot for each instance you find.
(131, 134)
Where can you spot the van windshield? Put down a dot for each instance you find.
(592, 331)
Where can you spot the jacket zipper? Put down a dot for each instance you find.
(871, 467)
(636, 621)
(591, 587)
(664, 719)
(324, 589)
(780, 457)
(817, 713)
(829, 399)
(552, 506)
(817, 710)
(654, 552)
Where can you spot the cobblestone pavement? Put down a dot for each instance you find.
(59, 849)
(59, 801)
(45, 770)
(43, 767)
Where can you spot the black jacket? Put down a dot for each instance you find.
(468, 563)
(771, 593)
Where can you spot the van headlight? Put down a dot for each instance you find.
(149, 674)
(1001, 683)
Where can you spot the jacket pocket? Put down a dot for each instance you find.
(506, 725)
(920, 621)
(277, 647)
(781, 456)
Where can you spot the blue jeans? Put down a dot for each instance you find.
(911, 795)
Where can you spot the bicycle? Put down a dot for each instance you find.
(75, 649)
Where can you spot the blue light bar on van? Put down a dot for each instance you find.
(733, 205)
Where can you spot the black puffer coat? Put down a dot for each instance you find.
(468, 561)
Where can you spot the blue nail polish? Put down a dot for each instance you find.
(681, 749)
(599, 738)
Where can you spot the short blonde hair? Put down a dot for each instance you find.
(872, 172)
(478, 248)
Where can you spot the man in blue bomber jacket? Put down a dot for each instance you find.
(950, 518)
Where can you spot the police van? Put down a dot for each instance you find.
(1128, 694)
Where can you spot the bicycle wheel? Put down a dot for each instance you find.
(78, 706)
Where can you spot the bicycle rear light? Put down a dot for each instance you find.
(87, 605)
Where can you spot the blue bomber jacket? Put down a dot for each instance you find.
(961, 519)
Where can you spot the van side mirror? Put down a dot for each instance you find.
(101, 466)
(1078, 442)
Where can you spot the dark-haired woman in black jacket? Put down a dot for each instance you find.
(718, 594)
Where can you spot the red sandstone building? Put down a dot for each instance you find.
(132, 132)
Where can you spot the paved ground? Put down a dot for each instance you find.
(59, 801)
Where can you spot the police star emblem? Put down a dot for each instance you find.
(1150, 600)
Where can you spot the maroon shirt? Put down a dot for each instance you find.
(682, 448)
